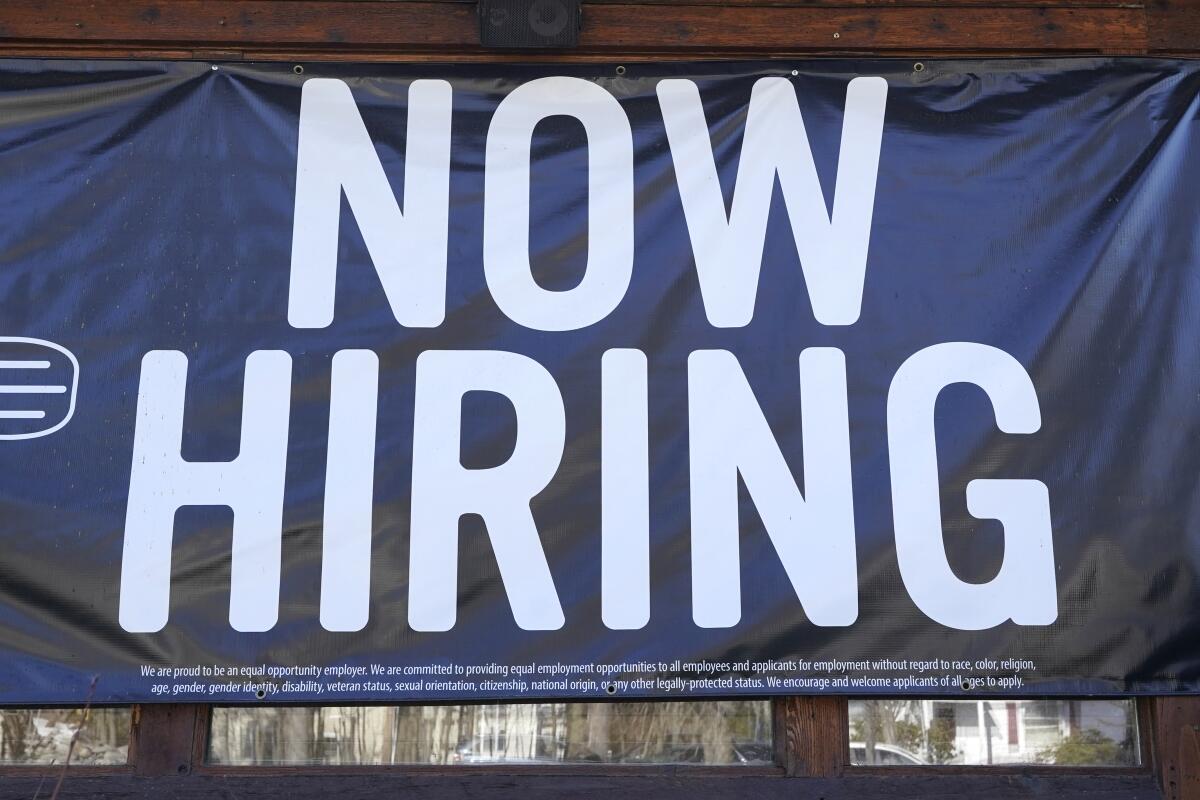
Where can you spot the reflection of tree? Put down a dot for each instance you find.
(1086, 748)
(903, 723)
(12, 748)
(1068, 732)
(42, 736)
(1091, 746)
(662, 732)
(705, 732)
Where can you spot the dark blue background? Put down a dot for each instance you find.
(1045, 207)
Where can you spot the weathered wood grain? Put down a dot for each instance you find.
(518, 787)
(1173, 26)
(1176, 748)
(448, 27)
(811, 736)
(163, 739)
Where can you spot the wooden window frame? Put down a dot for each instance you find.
(169, 748)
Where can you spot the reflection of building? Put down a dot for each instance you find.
(993, 731)
(1022, 731)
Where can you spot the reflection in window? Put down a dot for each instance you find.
(43, 735)
(894, 732)
(533, 733)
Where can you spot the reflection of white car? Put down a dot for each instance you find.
(493, 749)
(886, 755)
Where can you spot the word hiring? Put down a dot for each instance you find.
(813, 533)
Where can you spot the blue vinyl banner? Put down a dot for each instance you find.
(337, 382)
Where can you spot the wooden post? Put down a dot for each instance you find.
(1177, 746)
(164, 739)
(811, 736)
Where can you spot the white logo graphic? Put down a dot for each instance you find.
(35, 369)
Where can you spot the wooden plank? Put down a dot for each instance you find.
(1189, 763)
(1175, 723)
(875, 3)
(811, 736)
(451, 27)
(874, 30)
(1173, 26)
(240, 22)
(1145, 728)
(163, 740)
(834, 3)
(200, 735)
(779, 739)
(472, 783)
(49, 772)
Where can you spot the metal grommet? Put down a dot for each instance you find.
(611, 688)
(837, 35)
(215, 67)
(965, 685)
(299, 70)
(795, 72)
(620, 69)
(260, 694)
(918, 67)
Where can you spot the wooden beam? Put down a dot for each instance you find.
(1173, 26)
(882, 3)
(812, 736)
(164, 739)
(447, 27)
(471, 783)
(876, 30)
(1176, 746)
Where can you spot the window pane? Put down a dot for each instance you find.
(536, 733)
(43, 735)
(1094, 733)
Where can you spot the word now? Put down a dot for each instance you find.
(408, 248)
(813, 533)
